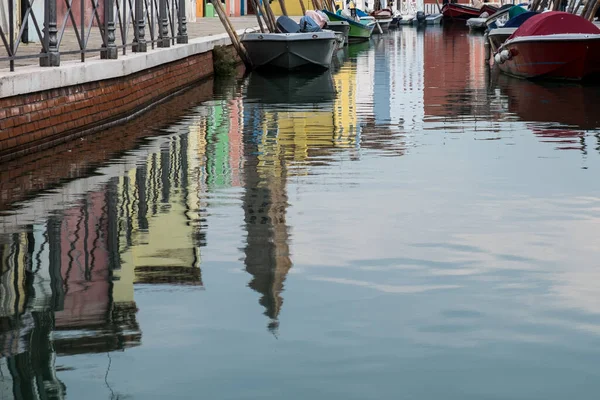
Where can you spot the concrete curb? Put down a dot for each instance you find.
(36, 79)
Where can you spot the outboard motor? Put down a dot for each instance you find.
(307, 24)
(421, 17)
(287, 25)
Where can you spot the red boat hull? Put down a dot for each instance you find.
(458, 11)
(569, 59)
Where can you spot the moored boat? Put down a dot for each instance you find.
(555, 45)
(433, 19)
(497, 36)
(290, 51)
(453, 11)
(342, 27)
(359, 32)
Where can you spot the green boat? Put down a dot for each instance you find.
(359, 32)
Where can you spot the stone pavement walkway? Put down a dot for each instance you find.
(200, 28)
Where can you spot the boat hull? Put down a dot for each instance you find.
(567, 57)
(459, 12)
(358, 32)
(290, 51)
(341, 27)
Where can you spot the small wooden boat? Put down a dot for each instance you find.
(555, 45)
(453, 11)
(359, 32)
(384, 18)
(290, 51)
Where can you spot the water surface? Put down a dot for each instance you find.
(408, 225)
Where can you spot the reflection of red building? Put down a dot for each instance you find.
(454, 70)
(446, 69)
(84, 264)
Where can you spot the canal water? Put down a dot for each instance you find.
(407, 225)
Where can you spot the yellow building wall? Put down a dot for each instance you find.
(292, 6)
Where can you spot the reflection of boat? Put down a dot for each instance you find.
(290, 51)
(564, 104)
(359, 32)
(553, 45)
(290, 88)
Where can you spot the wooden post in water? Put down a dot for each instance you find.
(258, 15)
(585, 8)
(438, 6)
(269, 12)
(594, 11)
(235, 40)
(579, 3)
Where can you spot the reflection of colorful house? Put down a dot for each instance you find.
(224, 139)
(159, 235)
(345, 112)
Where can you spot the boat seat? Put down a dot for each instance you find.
(287, 25)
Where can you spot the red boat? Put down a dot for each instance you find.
(488, 9)
(459, 11)
(554, 45)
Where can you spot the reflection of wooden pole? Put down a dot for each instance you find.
(235, 40)
(302, 7)
(284, 9)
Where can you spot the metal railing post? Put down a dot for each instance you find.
(109, 51)
(182, 36)
(139, 42)
(163, 24)
(50, 35)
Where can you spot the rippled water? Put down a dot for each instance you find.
(407, 226)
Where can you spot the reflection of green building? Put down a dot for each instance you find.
(217, 138)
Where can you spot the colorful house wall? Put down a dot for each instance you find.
(293, 7)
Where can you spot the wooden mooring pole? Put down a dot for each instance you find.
(235, 40)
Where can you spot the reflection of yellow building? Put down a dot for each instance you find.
(345, 113)
(293, 7)
(159, 220)
(12, 276)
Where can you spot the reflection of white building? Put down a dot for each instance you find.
(406, 65)
(365, 83)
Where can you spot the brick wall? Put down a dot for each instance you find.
(37, 171)
(35, 121)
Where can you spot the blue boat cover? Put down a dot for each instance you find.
(518, 20)
(361, 13)
(287, 25)
(307, 24)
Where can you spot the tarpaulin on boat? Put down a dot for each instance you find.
(554, 22)
(517, 21)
